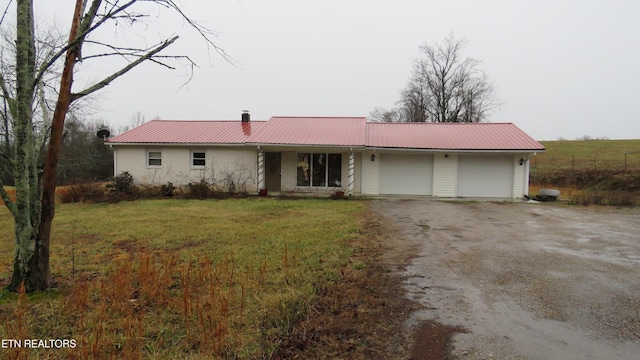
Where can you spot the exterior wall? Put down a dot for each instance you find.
(445, 175)
(518, 177)
(288, 178)
(370, 173)
(526, 176)
(521, 176)
(238, 165)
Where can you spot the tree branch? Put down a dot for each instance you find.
(84, 25)
(204, 32)
(7, 96)
(7, 200)
(106, 81)
(6, 10)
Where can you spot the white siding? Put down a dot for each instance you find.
(518, 176)
(485, 176)
(406, 174)
(289, 171)
(445, 175)
(370, 173)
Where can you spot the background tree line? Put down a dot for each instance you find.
(83, 156)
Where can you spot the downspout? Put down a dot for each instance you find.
(115, 161)
(527, 163)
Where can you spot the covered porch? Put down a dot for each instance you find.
(309, 170)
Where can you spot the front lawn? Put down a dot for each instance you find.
(179, 278)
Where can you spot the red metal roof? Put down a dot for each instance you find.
(334, 131)
(450, 136)
(190, 132)
(323, 131)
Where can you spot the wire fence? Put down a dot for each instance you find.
(624, 161)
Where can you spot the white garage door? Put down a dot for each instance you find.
(485, 176)
(406, 174)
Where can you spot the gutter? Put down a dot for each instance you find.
(309, 146)
(174, 144)
(510, 151)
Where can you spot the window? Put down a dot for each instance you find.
(321, 170)
(334, 170)
(154, 158)
(198, 159)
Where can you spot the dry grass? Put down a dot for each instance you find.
(180, 278)
(565, 192)
(11, 191)
(60, 190)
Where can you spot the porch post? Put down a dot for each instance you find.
(260, 170)
(352, 171)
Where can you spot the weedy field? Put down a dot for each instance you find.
(179, 278)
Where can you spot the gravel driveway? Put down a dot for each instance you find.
(525, 280)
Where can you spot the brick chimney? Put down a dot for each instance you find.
(245, 116)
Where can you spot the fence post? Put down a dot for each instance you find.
(572, 160)
(625, 161)
(595, 165)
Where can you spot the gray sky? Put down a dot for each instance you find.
(563, 68)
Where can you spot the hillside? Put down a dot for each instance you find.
(580, 154)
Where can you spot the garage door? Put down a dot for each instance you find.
(406, 174)
(485, 176)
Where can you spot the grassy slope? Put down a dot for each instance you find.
(176, 278)
(607, 153)
(588, 162)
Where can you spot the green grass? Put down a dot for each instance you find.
(591, 154)
(180, 278)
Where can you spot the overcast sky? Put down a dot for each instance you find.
(563, 68)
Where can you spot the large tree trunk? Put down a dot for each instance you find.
(34, 208)
(25, 231)
(33, 232)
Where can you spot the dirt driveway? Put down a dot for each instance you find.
(521, 280)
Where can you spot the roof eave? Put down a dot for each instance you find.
(172, 144)
(458, 150)
(323, 146)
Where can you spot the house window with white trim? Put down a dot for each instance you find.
(319, 169)
(154, 158)
(198, 159)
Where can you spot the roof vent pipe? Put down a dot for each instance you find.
(245, 116)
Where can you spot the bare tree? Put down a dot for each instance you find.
(383, 115)
(35, 180)
(445, 87)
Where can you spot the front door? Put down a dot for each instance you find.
(272, 163)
